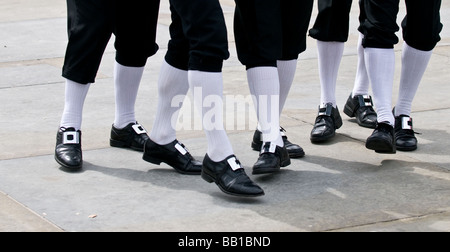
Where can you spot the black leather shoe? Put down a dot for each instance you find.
(230, 177)
(382, 139)
(327, 122)
(361, 107)
(68, 148)
(405, 139)
(271, 158)
(133, 136)
(294, 150)
(174, 154)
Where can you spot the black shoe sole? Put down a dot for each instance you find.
(411, 148)
(321, 139)
(210, 179)
(69, 167)
(158, 161)
(120, 144)
(381, 147)
(268, 170)
(296, 154)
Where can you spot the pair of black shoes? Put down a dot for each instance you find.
(228, 174)
(329, 120)
(68, 152)
(388, 139)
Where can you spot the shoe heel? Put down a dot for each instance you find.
(151, 159)
(256, 147)
(350, 112)
(114, 143)
(285, 163)
(338, 122)
(208, 178)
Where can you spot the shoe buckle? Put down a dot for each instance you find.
(139, 129)
(234, 163)
(325, 110)
(268, 147)
(407, 123)
(181, 149)
(365, 101)
(282, 132)
(71, 137)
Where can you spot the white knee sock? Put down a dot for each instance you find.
(126, 83)
(75, 95)
(380, 65)
(330, 55)
(172, 82)
(362, 83)
(414, 64)
(207, 90)
(264, 86)
(286, 74)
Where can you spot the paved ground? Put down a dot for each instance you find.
(338, 186)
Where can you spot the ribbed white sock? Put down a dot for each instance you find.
(362, 83)
(286, 74)
(75, 95)
(172, 82)
(207, 88)
(264, 86)
(126, 86)
(414, 64)
(380, 65)
(330, 55)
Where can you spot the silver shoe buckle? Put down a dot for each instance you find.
(325, 110)
(365, 101)
(181, 149)
(139, 129)
(71, 137)
(271, 148)
(234, 164)
(407, 123)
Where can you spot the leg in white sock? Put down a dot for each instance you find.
(172, 82)
(126, 83)
(286, 74)
(265, 88)
(330, 55)
(75, 95)
(208, 98)
(414, 64)
(362, 83)
(380, 65)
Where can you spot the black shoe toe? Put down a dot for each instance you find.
(68, 148)
(230, 177)
(382, 139)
